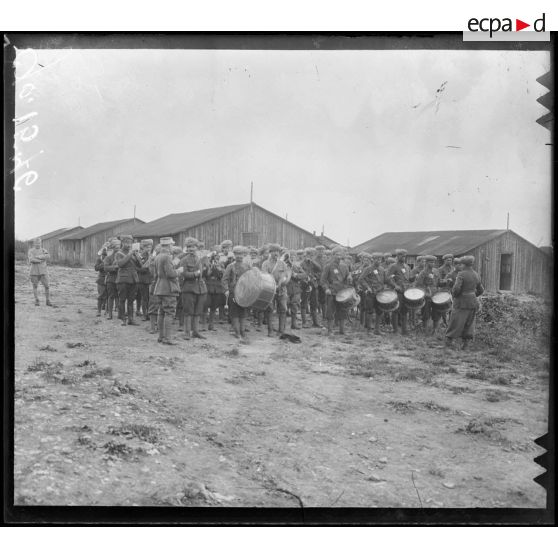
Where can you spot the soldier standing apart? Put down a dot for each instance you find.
(194, 290)
(153, 308)
(399, 276)
(144, 277)
(232, 273)
(281, 273)
(38, 257)
(467, 289)
(111, 269)
(127, 279)
(372, 281)
(335, 277)
(101, 279)
(428, 280)
(166, 290)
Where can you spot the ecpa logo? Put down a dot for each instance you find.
(497, 28)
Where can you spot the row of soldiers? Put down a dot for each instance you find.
(196, 286)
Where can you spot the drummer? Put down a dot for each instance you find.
(372, 281)
(335, 277)
(295, 286)
(399, 279)
(232, 273)
(309, 295)
(467, 289)
(320, 260)
(428, 280)
(281, 273)
(364, 260)
(445, 269)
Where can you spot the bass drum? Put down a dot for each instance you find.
(414, 298)
(387, 300)
(255, 289)
(442, 301)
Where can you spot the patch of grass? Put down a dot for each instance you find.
(143, 432)
(39, 365)
(461, 389)
(48, 348)
(403, 407)
(406, 376)
(501, 380)
(477, 374)
(73, 345)
(95, 370)
(234, 352)
(115, 449)
(494, 395)
(436, 472)
(85, 363)
(432, 406)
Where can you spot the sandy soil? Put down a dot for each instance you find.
(104, 415)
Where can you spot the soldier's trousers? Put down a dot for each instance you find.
(112, 298)
(153, 307)
(143, 298)
(310, 298)
(101, 295)
(126, 295)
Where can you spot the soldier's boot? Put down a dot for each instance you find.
(448, 342)
(435, 326)
(404, 328)
(203, 321)
(395, 321)
(47, 296)
(341, 326)
(161, 327)
(187, 321)
(258, 320)
(235, 322)
(282, 323)
(109, 309)
(36, 295)
(180, 321)
(152, 323)
(99, 307)
(377, 321)
(367, 320)
(465, 345)
(167, 326)
(145, 311)
(242, 328)
(196, 328)
(269, 326)
(304, 323)
(315, 322)
(210, 325)
(294, 320)
(131, 316)
(221, 315)
(329, 327)
(425, 326)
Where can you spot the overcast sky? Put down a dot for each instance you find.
(358, 142)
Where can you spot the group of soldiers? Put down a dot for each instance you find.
(195, 287)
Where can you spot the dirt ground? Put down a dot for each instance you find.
(104, 415)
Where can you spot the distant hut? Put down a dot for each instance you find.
(504, 260)
(81, 247)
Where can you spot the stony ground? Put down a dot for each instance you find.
(104, 415)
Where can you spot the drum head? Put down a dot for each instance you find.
(441, 297)
(414, 294)
(386, 297)
(345, 294)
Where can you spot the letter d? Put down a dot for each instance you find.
(536, 22)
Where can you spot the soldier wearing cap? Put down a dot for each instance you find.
(364, 260)
(232, 273)
(111, 269)
(144, 279)
(215, 299)
(153, 307)
(399, 277)
(309, 295)
(452, 275)
(295, 286)
(128, 264)
(321, 260)
(372, 281)
(467, 289)
(281, 273)
(445, 269)
(193, 289)
(428, 280)
(38, 273)
(166, 289)
(335, 277)
(101, 278)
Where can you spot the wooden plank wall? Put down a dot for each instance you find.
(531, 268)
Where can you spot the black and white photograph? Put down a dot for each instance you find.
(286, 272)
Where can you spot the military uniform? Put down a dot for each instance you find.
(294, 291)
(428, 280)
(111, 269)
(101, 284)
(215, 292)
(280, 272)
(335, 277)
(399, 276)
(309, 295)
(127, 282)
(144, 282)
(237, 313)
(372, 281)
(167, 291)
(194, 292)
(38, 257)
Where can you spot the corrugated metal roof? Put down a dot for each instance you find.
(100, 227)
(436, 243)
(178, 222)
(58, 232)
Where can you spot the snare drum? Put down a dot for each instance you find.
(348, 297)
(442, 301)
(387, 301)
(414, 298)
(255, 289)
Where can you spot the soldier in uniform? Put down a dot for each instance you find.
(321, 261)
(166, 290)
(280, 271)
(128, 264)
(193, 289)
(232, 273)
(309, 295)
(295, 286)
(399, 277)
(204, 256)
(364, 260)
(38, 273)
(144, 277)
(335, 277)
(226, 257)
(153, 308)
(467, 289)
(111, 269)
(215, 292)
(372, 281)
(428, 280)
(445, 269)
(101, 279)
